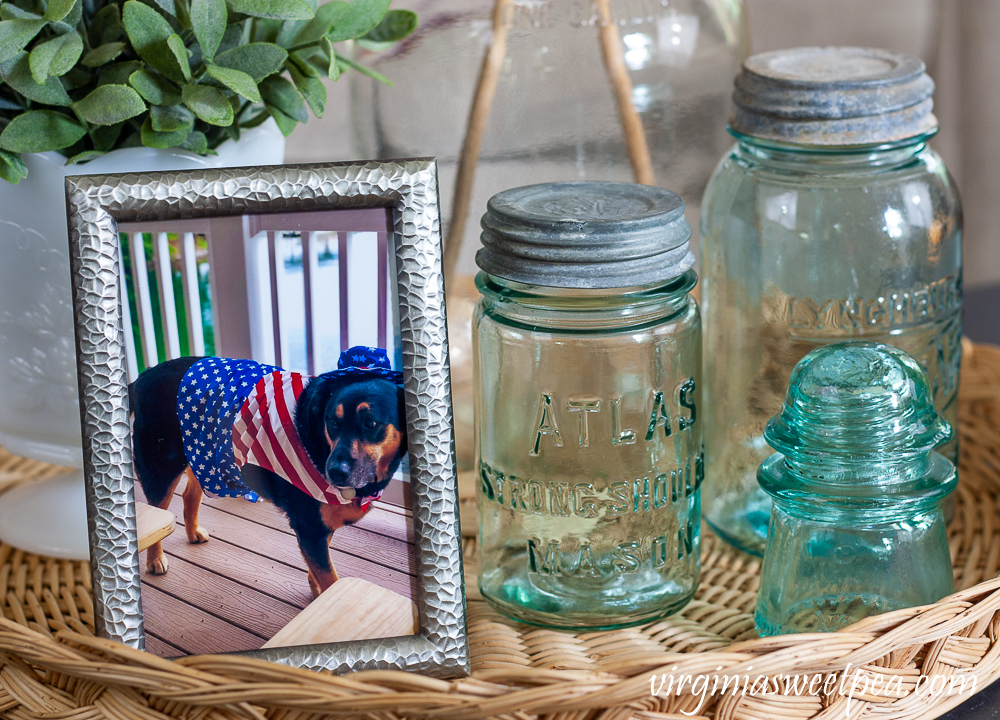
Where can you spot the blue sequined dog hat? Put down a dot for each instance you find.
(364, 363)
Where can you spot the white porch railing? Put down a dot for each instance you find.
(258, 310)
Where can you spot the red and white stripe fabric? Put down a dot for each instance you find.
(264, 434)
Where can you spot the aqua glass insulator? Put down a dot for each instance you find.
(856, 525)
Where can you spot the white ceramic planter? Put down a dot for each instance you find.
(39, 407)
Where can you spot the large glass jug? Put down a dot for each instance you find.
(555, 114)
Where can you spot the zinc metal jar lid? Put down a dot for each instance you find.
(833, 96)
(585, 235)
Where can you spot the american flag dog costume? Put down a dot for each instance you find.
(238, 412)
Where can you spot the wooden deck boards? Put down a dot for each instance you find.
(163, 649)
(237, 590)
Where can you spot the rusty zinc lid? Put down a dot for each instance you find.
(585, 235)
(833, 96)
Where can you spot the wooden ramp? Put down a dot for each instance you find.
(152, 524)
(350, 609)
(249, 581)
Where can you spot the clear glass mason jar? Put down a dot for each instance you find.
(588, 425)
(830, 219)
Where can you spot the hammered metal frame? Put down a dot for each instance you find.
(409, 187)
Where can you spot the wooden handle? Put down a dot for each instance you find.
(621, 84)
(489, 76)
(486, 88)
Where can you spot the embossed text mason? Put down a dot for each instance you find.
(588, 359)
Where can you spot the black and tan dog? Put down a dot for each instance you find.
(214, 420)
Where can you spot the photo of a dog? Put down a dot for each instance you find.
(349, 423)
(270, 452)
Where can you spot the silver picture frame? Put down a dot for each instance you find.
(96, 205)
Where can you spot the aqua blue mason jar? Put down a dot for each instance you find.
(830, 219)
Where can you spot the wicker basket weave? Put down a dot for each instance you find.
(52, 667)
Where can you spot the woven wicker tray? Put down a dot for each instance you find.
(52, 667)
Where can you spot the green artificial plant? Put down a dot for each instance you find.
(84, 77)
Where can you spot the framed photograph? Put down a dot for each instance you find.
(267, 433)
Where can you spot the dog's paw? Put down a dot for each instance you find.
(199, 536)
(157, 566)
(314, 587)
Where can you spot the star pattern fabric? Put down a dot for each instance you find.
(364, 357)
(211, 394)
